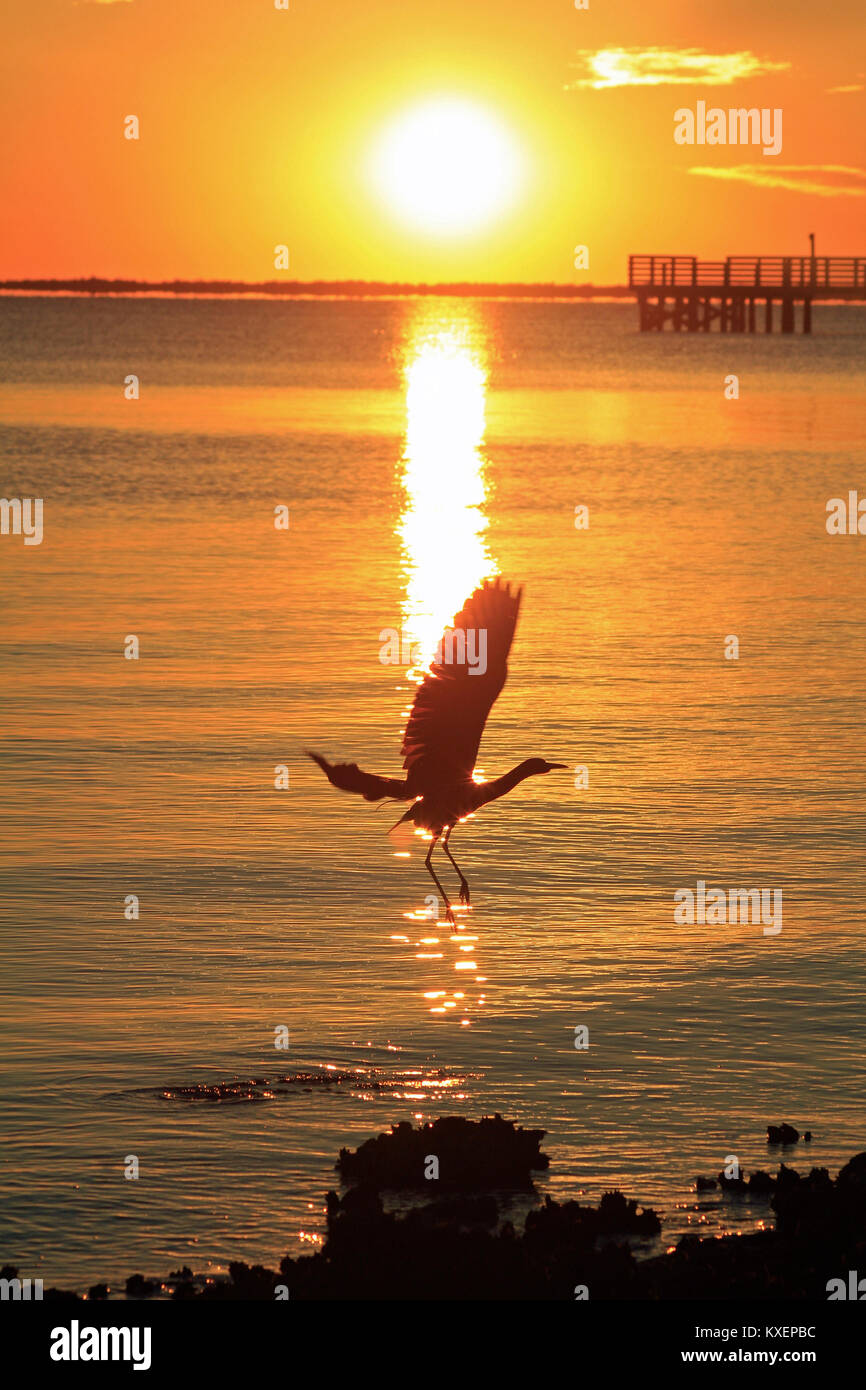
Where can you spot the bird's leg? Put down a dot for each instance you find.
(464, 886)
(449, 915)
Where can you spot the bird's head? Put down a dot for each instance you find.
(538, 765)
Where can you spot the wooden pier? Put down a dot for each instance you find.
(691, 295)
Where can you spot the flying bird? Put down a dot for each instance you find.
(440, 745)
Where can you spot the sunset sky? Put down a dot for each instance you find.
(315, 128)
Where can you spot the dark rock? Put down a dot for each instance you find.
(98, 1291)
(705, 1184)
(139, 1287)
(732, 1184)
(472, 1154)
(782, 1134)
(620, 1216)
(361, 1203)
(761, 1183)
(820, 1177)
(449, 1248)
(570, 1224)
(462, 1211)
(249, 1281)
(816, 1211)
(854, 1172)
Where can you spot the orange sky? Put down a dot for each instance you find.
(257, 127)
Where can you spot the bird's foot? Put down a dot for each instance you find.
(464, 892)
(450, 918)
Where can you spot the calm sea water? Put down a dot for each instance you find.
(418, 445)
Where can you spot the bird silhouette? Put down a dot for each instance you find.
(440, 744)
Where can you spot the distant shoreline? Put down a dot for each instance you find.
(304, 289)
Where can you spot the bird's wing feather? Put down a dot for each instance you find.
(440, 745)
(349, 778)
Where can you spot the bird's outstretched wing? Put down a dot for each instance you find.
(349, 778)
(440, 745)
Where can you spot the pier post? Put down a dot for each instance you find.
(768, 319)
(723, 316)
(787, 299)
(807, 315)
(752, 314)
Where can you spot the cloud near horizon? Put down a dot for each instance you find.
(667, 67)
(796, 178)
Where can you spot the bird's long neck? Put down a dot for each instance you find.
(500, 786)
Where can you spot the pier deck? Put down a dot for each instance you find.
(691, 294)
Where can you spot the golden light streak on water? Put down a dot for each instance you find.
(443, 522)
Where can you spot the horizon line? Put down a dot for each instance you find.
(97, 284)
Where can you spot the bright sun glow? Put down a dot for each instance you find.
(447, 167)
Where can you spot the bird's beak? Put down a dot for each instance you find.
(551, 766)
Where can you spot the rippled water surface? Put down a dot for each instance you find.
(419, 446)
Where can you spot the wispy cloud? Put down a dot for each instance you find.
(825, 180)
(667, 67)
(852, 87)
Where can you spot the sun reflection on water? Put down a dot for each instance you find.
(442, 530)
(443, 523)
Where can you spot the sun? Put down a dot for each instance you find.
(447, 167)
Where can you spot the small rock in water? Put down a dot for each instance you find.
(782, 1134)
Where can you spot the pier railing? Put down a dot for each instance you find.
(758, 273)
